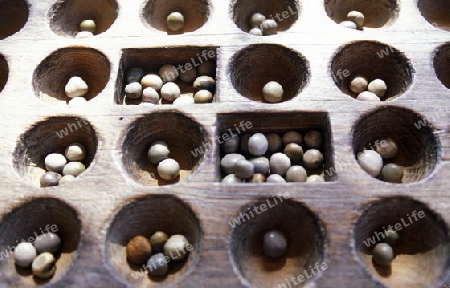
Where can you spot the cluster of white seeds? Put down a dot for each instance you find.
(158, 154)
(373, 91)
(260, 26)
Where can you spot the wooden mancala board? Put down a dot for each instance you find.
(407, 44)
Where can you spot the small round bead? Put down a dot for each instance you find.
(296, 174)
(50, 179)
(204, 83)
(272, 92)
(168, 73)
(203, 96)
(188, 75)
(294, 152)
(313, 139)
(158, 151)
(47, 242)
(138, 250)
(313, 159)
(274, 244)
(84, 34)
(175, 21)
(157, 265)
(168, 169)
(315, 178)
(356, 17)
(231, 145)
(292, 137)
(377, 87)
(387, 148)
(371, 162)
(279, 163)
(349, 24)
(256, 31)
(43, 265)
(73, 168)
(358, 84)
(207, 68)
(229, 161)
(258, 144)
(269, 27)
(24, 254)
(392, 173)
(391, 237)
(133, 90)
(275, 178)
(75, 152)
(275, 142)
(134, 75)
(170, 91)
(150, 95)
(244, 169)
(184, 100)
(256, 20)
(76, 87)
(368, 96)
(383, 254)
(231, 178)
(244, 143)
(257, 178)
(158, 240)
(65, 179)
(77, 101)
(153, 81)
(55, 162)
(175, 247)
(88, 25)
(261, 164)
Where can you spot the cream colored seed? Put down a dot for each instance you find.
(153, 81)
(272, 92)
(84, 34)
(77, 101)
(358, 84)
(378, 87)
(205, 83)
(256, 31)
(349, 24)
(43, 265)
(170, 91)
(296, 174)
(175, 21)
(73, 168)
(203, 96)
(258, 144)
(158, 151)
(133, 90)
(315, 178)
(150, 95)
(275, 178)
(75, 152)
(184, 100)
(256, 20)
(76, 87)
(168, 169)
(356, 17)
(269, 27)
(279, 163)
(88, 25)
(368, 96)
(65, 179)
(371, 162)
(176, 247)
(55, 162)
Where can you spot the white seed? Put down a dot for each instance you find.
(256, 19)
(65, 179)
(258, 144)
(269, 27)
(75, 152)
(175, 247)
(153, 81)
(43, 265)
(275, 142)
(368, 96)
(77, 101)
(175, 21)
(203, 96)
(24, 254)
(188, 75)
(228, 162)
(358, 84)
(133, 90)
(76, 87)
(387, 148)
(275, 178)
(168, 73)
(244, 169)
(292, 137)
(257, 178)
(356, 17)
(262, 165)
(279, 163)
(207, 68)
(170, 91)
(349, 24)
(313, 159)
(296, 174)
(84, 34)
(168, 169)
(158, 151)
(150, 95)
(134, 75)
(231, 145)
(55, 162)
(184, 100)
(315, 178)
(272, 92)
(255, 31)
(88, 25)
(313, 139)
(371, 162)
(73, 168)
(231, 178)
(378, 87)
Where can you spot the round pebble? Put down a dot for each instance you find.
(315, 178)
(175, 247)
(391, 237)
(296, 174)
(203, 96)
(378, 87)
(150, 95)
(73, 168)
(153, 81)
(368, 96)
(133, 90)
(274, 244)
(88, 25)
(134, 74)
(256, 31)
(84, 34)
(184, 100)
(168, 169)
(168, 73)
(294, 152)
(158, 151)
(269, 27)
(231, 145)
(47, 242)
(229, 161)
(261, 164)
(392, 173)
(356, 17)
(275, 142)
(349, 24)
(358, 84)
(272, 92)
(257, 178)
(313, 139)
(387, 148)
(275, 178)
(65, 179)
(77, 101)
(24, 254)
(75, 152)
(313, 159)
(231, 178)
(138, 250)
(204, 83)
(292, 137)
(50, 178)
(256, 20)
(258, 144)
(175, 21)
(43, 265)
(383, 254)
(279, 163)
(158, 240)
(188, 75)
(55, 162)
(157, 265)
(170, 91)
(244, 169)
(207, 68)
(76, 87)
(371, 162)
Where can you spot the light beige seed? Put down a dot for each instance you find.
(150, 95)
(378, 87)
(175, 21)
(272, 92)
(168, 169)
(256, 20)
(205, 83)
(356, 17)
(203, 96)
(84, 34)
(170, 91)
(279, 163)
(55, 162)
(294, 152)
(184, 100)
(76, 87)
(275, 178)
(256, 31)
(296, 174)
(133, 90)
(24, 254)
(258, 144)
(43, 265)
(65, 179)
(349, 24)
(371, 162)
(73, 168)
(75, 152)
(158, 151)
(49, 178)
(176, 247)
(269, 27)
(153, 81)
(315, 178)
(359, 84)
(88, 25)
(257, 178)
(368, 96)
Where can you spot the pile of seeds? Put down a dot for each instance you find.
(382, 253)
(158, 251)
(260, 26)
(76, 88)
(175, 21)
(375, 162)
(274, 244)
(158, 154)
(273, 158)
(68, 165)
(151, 87)
(39, 254)
(373, 91)
(355, 20)
(87, 29)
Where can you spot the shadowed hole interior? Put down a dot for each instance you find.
(442, 64)
(436, 12)
(13, 16)
(4, 71)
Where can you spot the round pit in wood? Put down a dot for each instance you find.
(377, 14)
(53, 73)
(418, 147)
(284, 12)
(29, 220)
(254, 66)
(372, 60)
(4, 71)
(66, 15)
(305, 243)
(195, 13)
(442, 64)
(436, 12)
(13, 16)
(52, 135)
(422, 253)
(144, 216)
(183, 136)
